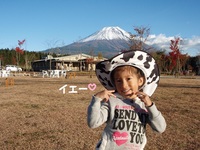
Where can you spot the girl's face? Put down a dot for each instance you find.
(127, 83)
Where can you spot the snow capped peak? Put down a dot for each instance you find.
(108, 33)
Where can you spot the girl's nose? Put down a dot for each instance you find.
(124, 85)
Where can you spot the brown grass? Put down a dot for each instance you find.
(34, 114)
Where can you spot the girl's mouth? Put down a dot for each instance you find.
(125, 91)
(128, 92)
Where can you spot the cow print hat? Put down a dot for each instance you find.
(136, 58)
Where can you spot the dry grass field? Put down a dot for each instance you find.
(35, 115)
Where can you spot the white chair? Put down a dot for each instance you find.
(51, 73)
(8, 73)
(45, 73)
(63, 73)
(4, 73)
(56, 73)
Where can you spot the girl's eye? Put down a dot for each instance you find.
(118, 80)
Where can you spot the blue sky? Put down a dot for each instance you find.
(51, 23)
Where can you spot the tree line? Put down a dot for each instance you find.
(167, 64)
(182, 65)
(12, 57)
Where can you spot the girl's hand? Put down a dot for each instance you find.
(105, 94)
(144, 98)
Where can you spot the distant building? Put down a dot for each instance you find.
(78, 62)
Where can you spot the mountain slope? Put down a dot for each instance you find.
(109, 41)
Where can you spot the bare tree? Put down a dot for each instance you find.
(52, 46)
(139, 38)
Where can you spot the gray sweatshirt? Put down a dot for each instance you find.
(125, 122)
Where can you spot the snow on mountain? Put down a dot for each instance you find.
(109, 41)
(108, 33)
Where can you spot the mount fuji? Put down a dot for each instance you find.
(108, 33)
(109, 41)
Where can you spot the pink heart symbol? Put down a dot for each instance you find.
(92, 86)
(120, 138)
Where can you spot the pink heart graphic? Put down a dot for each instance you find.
(120, 138)
(92, 86)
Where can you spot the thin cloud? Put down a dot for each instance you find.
(161, 41)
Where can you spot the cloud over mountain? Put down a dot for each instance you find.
(161, 41)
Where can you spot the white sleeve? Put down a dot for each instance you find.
(97, 113)
(157, 121)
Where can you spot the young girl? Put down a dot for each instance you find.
(125, 106)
